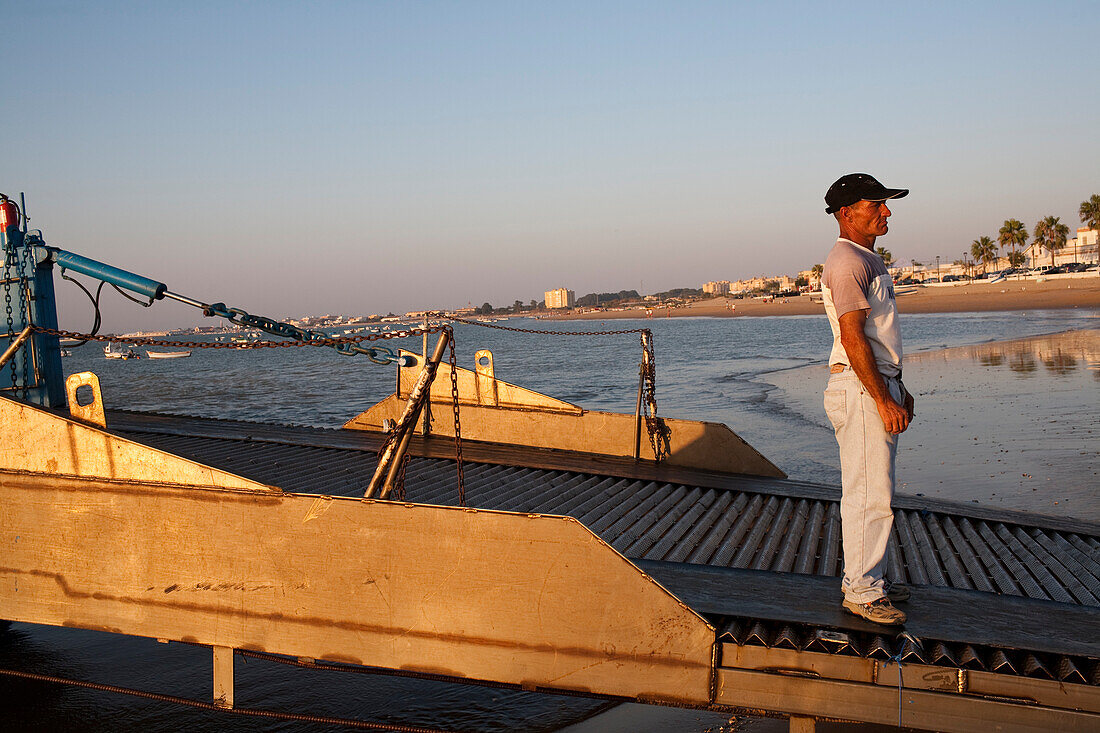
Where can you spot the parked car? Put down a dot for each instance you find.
(1076, 267)
(951, 279)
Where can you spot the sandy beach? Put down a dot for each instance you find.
(948, 298)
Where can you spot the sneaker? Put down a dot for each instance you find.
(897, 592)
(879, 611)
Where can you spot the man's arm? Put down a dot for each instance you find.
(895, 417)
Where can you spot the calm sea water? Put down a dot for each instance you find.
(742, 372)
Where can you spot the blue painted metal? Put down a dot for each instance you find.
(35, 372)
(116, 276)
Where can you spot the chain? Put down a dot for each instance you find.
(384, 355)
(458, 427)
(347, 347)
(26, 270)
(7, 307)
(469, 322)
(659, 432)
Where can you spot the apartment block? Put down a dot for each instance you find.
(560, 298)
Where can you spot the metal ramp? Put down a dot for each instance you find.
(1005, 620)
(274, 552)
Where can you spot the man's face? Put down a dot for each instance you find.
(868, 218)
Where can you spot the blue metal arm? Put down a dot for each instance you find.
(86, 266)
(157, 290)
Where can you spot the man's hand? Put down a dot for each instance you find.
(895, 418)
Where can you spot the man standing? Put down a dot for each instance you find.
(865, 398)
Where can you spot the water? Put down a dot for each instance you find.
(761, 376)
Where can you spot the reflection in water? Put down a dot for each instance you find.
(1059, 353)
(1060, 363)
(1023, 364)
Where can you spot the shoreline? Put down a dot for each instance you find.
(1020, 295)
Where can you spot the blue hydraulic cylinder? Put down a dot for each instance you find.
(116, 276)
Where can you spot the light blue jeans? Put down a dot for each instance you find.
(867, 454)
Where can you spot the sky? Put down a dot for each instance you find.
(368, 157)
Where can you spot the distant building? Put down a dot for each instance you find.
(560, 298)
(1083, 246)
(718, 287)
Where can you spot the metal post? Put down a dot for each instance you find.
(223, 677)
(426, 425)
(390, 461)
(638, 411)
(10, 351)
(799, 724)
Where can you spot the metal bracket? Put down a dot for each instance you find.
(93, 411)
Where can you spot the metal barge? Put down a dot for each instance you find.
(704, 580)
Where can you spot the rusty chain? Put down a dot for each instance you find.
(458, 428)
(336, 340)
(330, 341)
(659, 432)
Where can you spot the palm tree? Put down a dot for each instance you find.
(887, 258)
(1090, 215)
(1051, 234)
(1013, 234)
(984, 250)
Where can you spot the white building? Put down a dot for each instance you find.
(560, 298)
(1083, 247)
(718, 287)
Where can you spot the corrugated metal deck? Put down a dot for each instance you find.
(696, 518)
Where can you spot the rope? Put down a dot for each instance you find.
(896, 659)
(201, 705)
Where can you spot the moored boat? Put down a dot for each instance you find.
(128, 352)
(167, 354)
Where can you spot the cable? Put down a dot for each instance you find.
(251, 712)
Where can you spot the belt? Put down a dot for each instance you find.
(838, 368)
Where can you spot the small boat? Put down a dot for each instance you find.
(120, 353)
(167, 354)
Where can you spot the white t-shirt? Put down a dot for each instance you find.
(855, 278)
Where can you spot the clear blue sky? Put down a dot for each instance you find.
(358, 157)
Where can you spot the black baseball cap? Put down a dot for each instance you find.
(858, 187)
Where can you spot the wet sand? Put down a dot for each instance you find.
(1011, 424)
(1077, 292)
